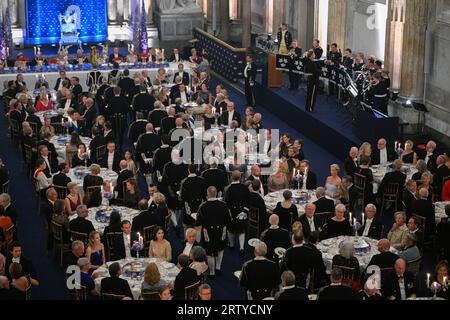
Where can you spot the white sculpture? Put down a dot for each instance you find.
(178, 6)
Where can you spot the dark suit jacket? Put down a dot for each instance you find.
(117, 286)
(350, 167)
(256, 201)
(46, 211)
(408, 200)
(375, 229)
(167, 124)
(306, 228)
(119, 246)
(438, 180)
(224, 118)
(392, 177)
(336, 293)
(10, 212)
(61, 180)
(143, 102)
(145, 219)
(293, 294)
(324, 205)
(116, 162)
(27, 267)
(311, 181)
(260, 277)
(126, 84)
(431, 164)
(90, 115)
(81, 225)
(119, 105)
(426, 209)
(391, 287)
(77, 90)
(384, 260)
(185, 278)
(185, 79)
(51, 147)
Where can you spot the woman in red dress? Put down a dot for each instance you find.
(44, 104)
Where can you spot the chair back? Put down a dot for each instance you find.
(80, 294)
(204, 277)
(93, 189)
(391, 190)
(150, 295)
(112, 297)
(414, 266)
(348, 273)
(324, 217)
(5, 187)
(110, 237)
(59, 128)
(359, 182)
(191, 292)
(57, 232)
(167, 221)
(61, 191)
(149, 234)
(100, 153)
(28, 154)
(15, 128)
(35, 128)
(253, 220)
(83, 237)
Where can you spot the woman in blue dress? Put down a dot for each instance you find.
(333, 182)
(95, 251)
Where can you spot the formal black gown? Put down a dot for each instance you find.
(337, 229)
(409, 158)
(287, 216)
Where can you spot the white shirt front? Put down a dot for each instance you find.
(247, 67)
(127, 243)
(110, 160)
(401, 283)
(67, 105)
(312, 227)
(230, 117)
(383, 156)
(187, 249)
(183, 97)
(47, 162)
(427, 158)
(367, 227)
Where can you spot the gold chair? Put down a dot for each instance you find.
(35, 128)
(80, 294)
(15, 130)
(61, 191)
(100, 153)
(28, 151)
(83, 237)
(360, 185)
(204, 277)
(390, 195)
(191, 292)
(110, 238)
(112, 297)
(5, 187)
(58, 240)
(324, 217)
(253, 220)
(167, 221)
(150, 295)
(414, 266)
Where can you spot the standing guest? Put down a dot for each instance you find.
(260, 275)
(398, 231)
(95, 251)
(237, 197)
(160, 248)
(371, 226)
(214, 217)
(114, 284)
(289, 291)
(80, 224)
(441, 173)
(336, 291)
(275, 237)
(61, 179)
(409, 197)
(192, 194)
(399, 284)
(339, 225)
(185, 278)
(73, 199)
(431, 157)
(424, 208)
(286, 211)
(323, 204)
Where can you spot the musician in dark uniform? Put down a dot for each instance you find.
(143, 101)
(260, 275)
(313, 80)
(294, 77)
(334, 60)
(174, 172)
(250, 78)
(214, 217)
(193, 194)
(318, 51)
(236, 198)
(348, 61)
(378, 94)
(284, 38)
(94, 78)
(275, 237)
(146, 145)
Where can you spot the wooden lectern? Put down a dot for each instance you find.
(275, 77)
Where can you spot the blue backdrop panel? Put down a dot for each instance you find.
(43, 23)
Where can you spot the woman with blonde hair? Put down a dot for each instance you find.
(333, 182)
(409, 156)
(73, 199)
(152, 278)
(95, 251)
(365, 150)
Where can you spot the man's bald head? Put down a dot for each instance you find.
(149, 127)
(400, 266)
(384, 245)
(212, 192)
(123, 165)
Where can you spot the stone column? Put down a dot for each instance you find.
(337, 17)
(14, 12)
(394, 41)
(246, 23)
(120, 11)
(413, 55)
(149, 11)
(112, 12)
(224, 19)
(278, 15)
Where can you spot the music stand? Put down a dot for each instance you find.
(421, 111)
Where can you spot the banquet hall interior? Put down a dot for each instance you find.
(224, 150)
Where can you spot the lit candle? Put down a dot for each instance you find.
(354, 221)
(445, 281)
(362, 217)
(350, 217)
(428, 280)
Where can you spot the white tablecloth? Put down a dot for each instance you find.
(102, 221)
(273, 198)
(380, 171)
(51, 77)
(60, 143)
(440, 211)
(106, 174)
(330, 248)
(167, 270)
